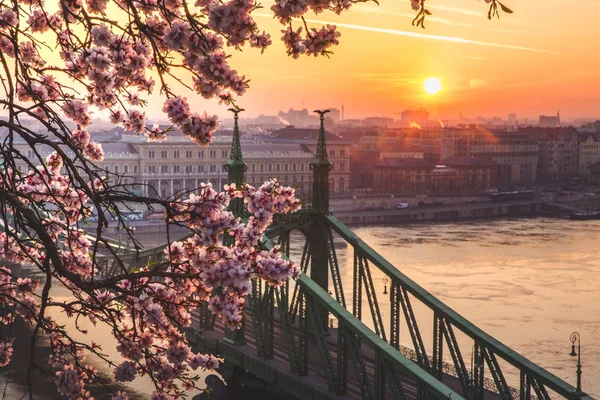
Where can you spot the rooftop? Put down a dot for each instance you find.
(468, 161)
(404, 163)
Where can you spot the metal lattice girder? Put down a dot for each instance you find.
(372, 298)
(286, 326)
(358, 363)
(269, 322)
(357, 286)
(524, 387)
(395, 314)
(459, 363)
(335, 269)
(501, 385)
(256, 317)
(540, 390)
(302, 335)
(478, 372)
(342, 360)
(319, 334)
(304, 263)
(413, 329)
(438, 346)
(394, 381)
(379, 378)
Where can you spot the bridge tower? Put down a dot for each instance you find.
(319, 267)
(236, 167)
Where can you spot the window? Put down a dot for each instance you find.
(152, 169)
(135, 169)
(224, 154)
(331, 153)
(30, 154)
(213, 153)
(151, 154)
(262, 168)
(126, 169)
(293, 166)
(213, 168)
(200, 168)
(164, 169)
(278, 167)
(164, 154)
(188, 154)
(270, 167)
(176, 169)
(201, 154)
(176, 154)
(188, 168)
(116, 169)
(342, 153)
(253, 167)
(285, 167)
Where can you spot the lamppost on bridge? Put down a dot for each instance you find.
(385, 282)
(576, 338)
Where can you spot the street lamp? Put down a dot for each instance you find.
(385, 282)
(576, 338)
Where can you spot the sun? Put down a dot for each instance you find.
(432, 85)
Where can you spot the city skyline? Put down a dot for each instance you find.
(532, 62)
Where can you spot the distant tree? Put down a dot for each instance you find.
(59, 61)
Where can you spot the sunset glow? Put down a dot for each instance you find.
(487, 67)
(432, 85)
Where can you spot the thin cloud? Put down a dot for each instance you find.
(474, 57)
(426, 36)
(456, 10)
(378, 10)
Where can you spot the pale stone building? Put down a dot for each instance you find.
(589, 154)
(177, 165)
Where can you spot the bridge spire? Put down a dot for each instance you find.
(235, 168)
(321, 167)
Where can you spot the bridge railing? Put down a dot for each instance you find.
(533, 380)
(378, 371)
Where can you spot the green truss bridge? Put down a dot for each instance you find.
(306, 342)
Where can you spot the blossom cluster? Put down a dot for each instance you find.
(214, 266)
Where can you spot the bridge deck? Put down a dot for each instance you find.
(315, 382)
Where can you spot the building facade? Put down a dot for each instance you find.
(455, 175)
(515, 152)
(176, 165)
(558, 150)
(589, 154)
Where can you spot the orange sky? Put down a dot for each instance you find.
(543, 57)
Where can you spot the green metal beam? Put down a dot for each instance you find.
(368, 337)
